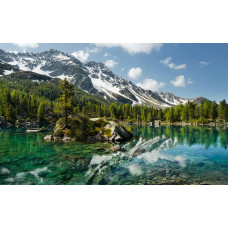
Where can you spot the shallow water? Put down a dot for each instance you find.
(165, 155)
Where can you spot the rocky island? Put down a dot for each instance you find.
(82, 128)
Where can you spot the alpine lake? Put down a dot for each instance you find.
(154, 156)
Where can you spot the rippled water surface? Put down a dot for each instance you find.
(166, 155)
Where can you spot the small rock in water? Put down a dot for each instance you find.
(49, 138)
(67, 139)
(4, 171)
(117, 147)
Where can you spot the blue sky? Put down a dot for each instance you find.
(187, 70)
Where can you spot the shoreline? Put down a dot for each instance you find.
(181, 124)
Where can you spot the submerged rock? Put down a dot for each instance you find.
(117, 147)
(4, 171)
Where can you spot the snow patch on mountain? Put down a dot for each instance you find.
(6, 72)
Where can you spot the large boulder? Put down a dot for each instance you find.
(119, 133)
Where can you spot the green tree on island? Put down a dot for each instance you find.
(65, 100)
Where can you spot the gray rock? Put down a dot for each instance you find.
(117, 147)
(49, 138)
(67, 139)
(150, 124)
(120, 134)
(157, 123)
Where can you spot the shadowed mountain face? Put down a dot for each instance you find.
(92, 77)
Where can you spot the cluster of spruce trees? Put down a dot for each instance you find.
(23, 99)
(208, 111)
(47, 101)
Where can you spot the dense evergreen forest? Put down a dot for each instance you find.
(22, 99)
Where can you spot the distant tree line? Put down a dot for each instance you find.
(190, 112)
(46, 102)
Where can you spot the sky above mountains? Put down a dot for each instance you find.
(187, 70)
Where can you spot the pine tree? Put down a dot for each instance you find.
(41, 112)
(213, 111)
(184, 114)
(65, 100)
(149, 117)
(160, 114)
(11, 115)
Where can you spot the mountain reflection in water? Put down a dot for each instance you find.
(165, 155)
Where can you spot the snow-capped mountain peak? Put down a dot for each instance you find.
(92, 77)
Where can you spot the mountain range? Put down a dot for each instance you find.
(92, 77)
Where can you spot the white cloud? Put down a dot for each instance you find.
(27, 45)
(81, 55)
(135, 73)
(106, 54)
(203, 63)
(189, 81)
(122, 69)
(151, 84)
(111, 63)
(171, 65)
(92, 50)
(180, 81)
(133, 48)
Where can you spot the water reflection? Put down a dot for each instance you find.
(191, 135)
(165, 155)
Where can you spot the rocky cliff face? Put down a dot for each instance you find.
(92, 77)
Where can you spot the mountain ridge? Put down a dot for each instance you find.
(92, 77)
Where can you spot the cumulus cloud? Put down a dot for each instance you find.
(135, 73)
(106, 54)
(27, 45)
(180, 81)
(151, 84)
(81, 55)
(111, 63)
(172, 65)
(133, 48)
(203, 63)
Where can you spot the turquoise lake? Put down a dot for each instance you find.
(165, 155)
